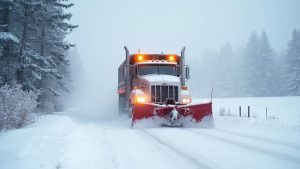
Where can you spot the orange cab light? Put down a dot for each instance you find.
(171, 58)
(140, 58)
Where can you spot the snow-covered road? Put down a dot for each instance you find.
(61, 141)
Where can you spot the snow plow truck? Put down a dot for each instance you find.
(153, 87)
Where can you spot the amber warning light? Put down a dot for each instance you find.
(145, 58)
(140, 58)
(171, 58)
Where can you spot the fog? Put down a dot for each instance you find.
(105, 26)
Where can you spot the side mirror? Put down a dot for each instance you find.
(187, 72)
(135, 71)
(125, 71)
(178, 70)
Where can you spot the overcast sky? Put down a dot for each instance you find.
(105, 26)
(167, 25)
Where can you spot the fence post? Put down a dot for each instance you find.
(267, 113)
(248, 111)
(240, 111)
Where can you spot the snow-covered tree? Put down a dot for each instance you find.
(8, 42)
(253, 70)
(33, 49)
(250, 66)
(279, 74)
(258, 74)
(268, 85)
(53, 31)
(292, 76)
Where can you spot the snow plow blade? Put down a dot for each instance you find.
(194, 112)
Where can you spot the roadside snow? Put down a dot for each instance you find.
(282, 112)
(72, 142)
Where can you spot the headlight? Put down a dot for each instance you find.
(186, 100)
(140, 99)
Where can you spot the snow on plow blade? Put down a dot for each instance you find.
(195, 112)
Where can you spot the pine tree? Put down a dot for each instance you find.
(278, 74)
(293, 65)
(33, 50)
(53, 31)
(251, 66)
(28, 59)
(258, 67)
(267, 84)
(8, 42)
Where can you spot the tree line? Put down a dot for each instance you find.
(254, 70)
(33, 49)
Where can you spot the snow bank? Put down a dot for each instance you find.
(281, 111)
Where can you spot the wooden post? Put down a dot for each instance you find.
(240, 111)
(248, 111)
(267, 113)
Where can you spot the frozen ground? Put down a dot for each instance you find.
(61, 141)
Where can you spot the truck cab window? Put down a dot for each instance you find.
(167, 70)
(157, 69)
(148, 70)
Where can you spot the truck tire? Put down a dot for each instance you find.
(122, 104)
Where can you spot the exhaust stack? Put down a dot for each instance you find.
(182, 67)
(127, 71)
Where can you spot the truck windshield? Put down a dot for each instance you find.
(157, 69)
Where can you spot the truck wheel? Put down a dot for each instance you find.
(122, 104)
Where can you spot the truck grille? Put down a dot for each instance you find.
(160, 93)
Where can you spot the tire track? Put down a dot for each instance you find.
(272, 153)
(259, 138)
(187, 157)
(110, 151)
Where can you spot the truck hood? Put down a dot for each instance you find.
(161, 78)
